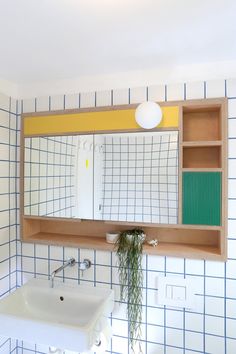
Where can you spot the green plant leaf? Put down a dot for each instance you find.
(129, 252)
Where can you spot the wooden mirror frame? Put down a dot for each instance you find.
(202, 151)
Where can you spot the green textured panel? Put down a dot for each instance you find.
(202, 198)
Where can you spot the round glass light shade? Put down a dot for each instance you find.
(148, 115)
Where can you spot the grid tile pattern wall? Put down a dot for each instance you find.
(49, 171)
(8, 203)
(141, 177)
(209, 328)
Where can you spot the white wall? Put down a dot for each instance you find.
(8, 204)
(208, 328)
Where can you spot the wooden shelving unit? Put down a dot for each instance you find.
(175, 240)
(203, 168)
(201, 230)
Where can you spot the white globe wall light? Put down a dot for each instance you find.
(148, 115)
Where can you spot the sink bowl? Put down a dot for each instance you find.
(66, 316)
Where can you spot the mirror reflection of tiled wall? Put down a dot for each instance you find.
(131, 177)
(141, 177)
(49, 181)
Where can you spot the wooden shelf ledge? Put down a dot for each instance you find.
(201, 143)
(99, 243)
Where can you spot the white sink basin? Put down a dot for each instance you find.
(67, 317)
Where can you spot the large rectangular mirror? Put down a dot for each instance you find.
(116, 177)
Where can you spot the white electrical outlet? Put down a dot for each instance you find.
(176, 292)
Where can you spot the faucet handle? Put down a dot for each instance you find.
(86, 264)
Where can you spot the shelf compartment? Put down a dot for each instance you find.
(187, 248)
(201, 124)
(202, 157)
(182, 241)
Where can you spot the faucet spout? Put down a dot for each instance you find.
(69, 263)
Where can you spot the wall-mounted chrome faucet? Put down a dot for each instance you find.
(86, 264)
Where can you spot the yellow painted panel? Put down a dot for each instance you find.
(93, 122)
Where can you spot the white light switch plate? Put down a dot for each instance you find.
(176, 292)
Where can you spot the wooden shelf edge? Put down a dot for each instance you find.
(99, 243)
(200, 169)
(51, 218)
(201, 143)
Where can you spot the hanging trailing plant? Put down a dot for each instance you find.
(129, 252)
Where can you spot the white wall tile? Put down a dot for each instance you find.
(231, 327)
(215, 88)
(230, 288)
(194, 266)
(194, 321)
(174, 337)
(232, 108)
(232, 128)
(153, 348)
(119, 344)
(138, 95)
(103, 257)
(175, 92)
(232, 188)
(215, 269)
(14, 103)
(42, 266)
(120, 96)
(214, 286)
(87, 99)
(194, 90)
(194, 341)
(230, 345)
(232, 168)
(72, 101)
(231, 308)
(173, 350)
(174, 265)
(232, 148)
(155, 334)
(214, 344)
(57, 102)
(41, 251)
(156, 93)
(231, 87)
(103, 98)
(4, 102)
(29, 105)
(56, 252)
(156, 263)
(42, 104)
(230, 269)
(214, 306)
(174, 318)
(103, 274)
(231, 208)
(232, 248)
(155, 316)
(28, 264)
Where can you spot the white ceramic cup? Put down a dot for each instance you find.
(112, 237)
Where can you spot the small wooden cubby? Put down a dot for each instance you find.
(202, 157)
(202, 137)
(199, 156)
(202, 123)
